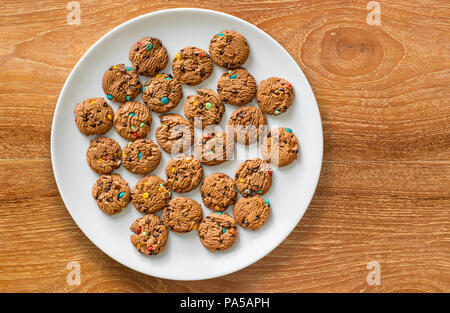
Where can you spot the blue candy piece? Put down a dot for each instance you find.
(131, 114)
(128, 98)
(149, 46)
(75, 116)
(109, 97)
(128, 68)
(220, 213)
(288, 130)
(121, 194)
(233, 76)
(267, 201)
(220, 34)
(223, 230)
(165, 100)
(168, 78)
(140, 155)
(143, 89)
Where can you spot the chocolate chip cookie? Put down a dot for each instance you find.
(103, 155)
(182, 215)
(111, 193)
(247, 124)
(274, 95)
(218, 192)
(150, 194)
(204, 108)
(148, 56)
(251, 212)
(162, 93)
(94, 116)
(280, 147)
(151, 234)
(237, 87)
(184, 173)
(175, 135)
(141, 156)
(253, 177)
(121, 83)
(229, 49)
(133, 120)
(214, 148)
(192, 66)
(217, 231)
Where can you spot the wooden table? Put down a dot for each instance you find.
(384, 190)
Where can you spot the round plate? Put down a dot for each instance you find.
(184, 257)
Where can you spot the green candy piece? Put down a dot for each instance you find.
(208, 105)
(141, 125)
(277, 112)
(132, 127)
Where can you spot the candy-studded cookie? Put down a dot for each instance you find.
(251, 212)
(148, 56)
(214, 148)
(237, 87)
(175, 135)
(141, 156)
(218, 192)
(103, 155)
(94, 116)
(206, 106)
(184, 173)
(274, 95)
(280, 147)
(229, 49)
(217, 231)
(182, 215)
(111, 193)
(121, 83)
(150, 194)
(192, 66)
(253, 177)
(162, 93)
(247, 123)
(133, 120)
(150, 234)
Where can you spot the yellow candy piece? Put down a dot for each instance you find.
(160, 189)
(219, 135)
(182, 82)
(178, 57)
(173, 169)
(194, 102)
(124, 154)
(138, 245)
(92, 101)
(158, 76)
(114, 67)
(109, 117)
(217, 208)
(159, 54)
(188, 160)
(195, 227)
(100, 159)
(241, 180)
(145, 195)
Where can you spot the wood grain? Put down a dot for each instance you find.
(384, 191)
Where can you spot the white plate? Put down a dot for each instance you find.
(184, 257)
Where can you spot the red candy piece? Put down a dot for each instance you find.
(106, 158)
(270, 172)
(150, 248)
(290, 86)
(135, 135)
(206, 137)
(200, 55)
(139, 43)
(138, 230)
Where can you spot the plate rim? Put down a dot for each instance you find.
(250, 260)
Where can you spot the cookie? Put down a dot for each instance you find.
(103, 155)
(218, 192)
(192, 66)
(280, 147)
(94, 116)
(151, 234)
(217, 231)
(206, 106)
(162, 93)
(236, 87)
(175, 135)
(121, 83)
(184, 173)
(133, 120)
(229, 49)
(253, 177)
(251, 212)
(182, 215)
(214, 148)
(247, 123)
(111, 193)
(148, 56)
(150, 194)
(274, 95)
(141, 156)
